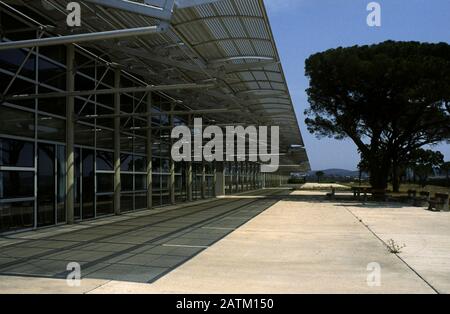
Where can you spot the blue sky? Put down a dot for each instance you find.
(304, 27)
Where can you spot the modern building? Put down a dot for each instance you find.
(86, 112)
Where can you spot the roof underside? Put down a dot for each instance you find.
(229, 42)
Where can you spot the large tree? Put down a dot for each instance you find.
(424, 163)
(390, 99)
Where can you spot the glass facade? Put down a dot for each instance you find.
(33, 141)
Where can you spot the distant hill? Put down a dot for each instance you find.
(336, 173)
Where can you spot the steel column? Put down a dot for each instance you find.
(242, 176)
(203, 181)
(230, 182)
(70, 131)
(189, 173)
(149, 153)
(172, 164)
(219, 188)
(117, 163)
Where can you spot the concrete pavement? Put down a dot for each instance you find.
(302, 244)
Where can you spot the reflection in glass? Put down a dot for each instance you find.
(77, 184)
(140, 201)
(88, 183)
(140, 182)
(16, 153)
(126, 162)
(17, 215)
(61, 187)
(105, 161)
(51, 129)
(105, 205)
(16, 184)
(105, 183)
(140, 164)
(126, 202)
(16, 122)
(46, 185)
(127, 182)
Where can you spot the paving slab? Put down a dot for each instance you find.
(294, 247)
(425, 234)
(301, 244)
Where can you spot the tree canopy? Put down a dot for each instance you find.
(424, 163)
(390, 99)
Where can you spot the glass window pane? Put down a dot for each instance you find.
(52, 74)
(105, 137)
(46, 185)
(140, 201)
(16, 122)
(105, 205)
(126, 202)
(84, 135)
(15, 216)
(12, 59)
(140, 182)
(16, 184)
(16, 153)
(61, 195)
(52, 129)
(126, 162)
(105, 161)
(127, 182)
(88, 183)
(105, 183)
(140, 164)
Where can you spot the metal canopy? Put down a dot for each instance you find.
(229, 41)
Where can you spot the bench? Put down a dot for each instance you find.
(377, 194)
(422, 200)
(440, 202)
(357, 191)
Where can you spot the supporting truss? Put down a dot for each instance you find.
(80, 38)
(158, 9)
(168, 113)
(124, 90)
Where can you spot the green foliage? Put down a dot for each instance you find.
(390, 99)
(424, 162)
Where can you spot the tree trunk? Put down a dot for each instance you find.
(395, 179)
(379, 173)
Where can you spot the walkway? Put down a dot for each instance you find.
(277, 244)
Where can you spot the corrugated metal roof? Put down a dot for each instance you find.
(204, 42)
